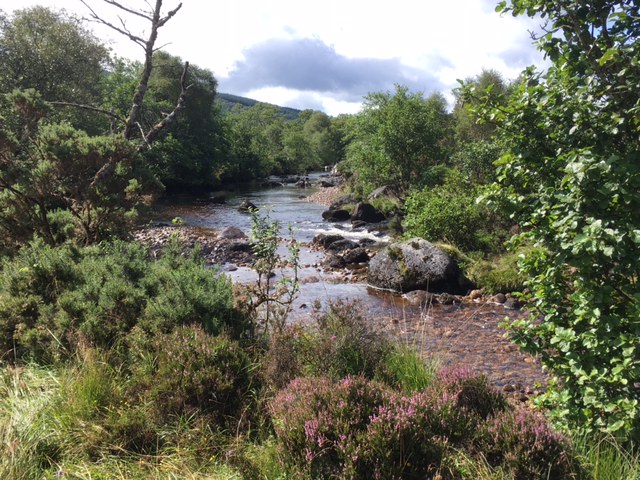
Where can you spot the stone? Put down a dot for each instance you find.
(419, 298)
(343, 200)
(231, 233)
(336, 215)
(247, 206)
(356, 255)
(475, 294)
(333, 261)
(342, 245)
(499, 298)
(513, 303)
(415, 264)
(384, 191)
(324, 241)
(366, 212)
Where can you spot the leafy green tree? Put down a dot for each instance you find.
(189, 155)
(255, 139)
(53, 53)
(572, 175)
(396, 137)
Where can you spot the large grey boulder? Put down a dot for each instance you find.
(414, 265)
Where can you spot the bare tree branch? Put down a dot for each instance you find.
(129, 10)
(96, 18)
(157, 129)
(109, 113)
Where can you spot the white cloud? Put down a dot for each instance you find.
(442, 41)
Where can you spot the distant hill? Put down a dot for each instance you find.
(228, 102)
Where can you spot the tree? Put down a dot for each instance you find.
(188, 157)
(396, 137)
(572, 175)
(131, 128)
(53, 53)
(52, 181)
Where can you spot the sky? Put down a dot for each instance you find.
(327, 55)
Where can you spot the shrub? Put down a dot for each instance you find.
(472, 391)
(319, 423)
(195, 372)
(356, 428)
(53, 299)
(445, 212)
(345, 343)
(523, 443)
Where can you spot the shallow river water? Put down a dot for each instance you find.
(466, 335)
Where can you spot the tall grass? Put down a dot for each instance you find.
(27, 437)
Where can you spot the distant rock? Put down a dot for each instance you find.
(336, 215)
(356, 255)
(231, 233)
(343, 200)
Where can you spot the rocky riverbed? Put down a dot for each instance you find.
(458, 330)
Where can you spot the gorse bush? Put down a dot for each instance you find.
(53, 299)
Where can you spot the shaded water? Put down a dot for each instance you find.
(466, 335)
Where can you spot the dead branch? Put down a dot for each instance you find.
(157, 129)
(109, 113)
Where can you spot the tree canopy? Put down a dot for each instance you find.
(572, 175)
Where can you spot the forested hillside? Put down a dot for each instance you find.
(228, 102)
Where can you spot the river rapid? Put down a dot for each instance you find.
(461, 335)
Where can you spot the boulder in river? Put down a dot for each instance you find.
(342, 245)
(231, 233)
(415, 264)
(367, 213)
(336, 215)
(343, 200)
(247, 206)
(356, 255)
(324, 240)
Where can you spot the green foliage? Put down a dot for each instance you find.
(406, 370)
(55, 54)
(395, 138)
(447, 212)
(524, 444)
(54, 300)
(476, 160)
(345, 344)
(190, 155)
(572, 177)
(356, 428)
(193, 373)
(500, 273)
(271, 301)
(58, 182)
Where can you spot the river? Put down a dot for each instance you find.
(465, 335)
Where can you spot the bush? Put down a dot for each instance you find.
(522, 442)
(53, 299)
(194, 372)
(319, 423)
(356, 428)
(447, 212)
(345, 343)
